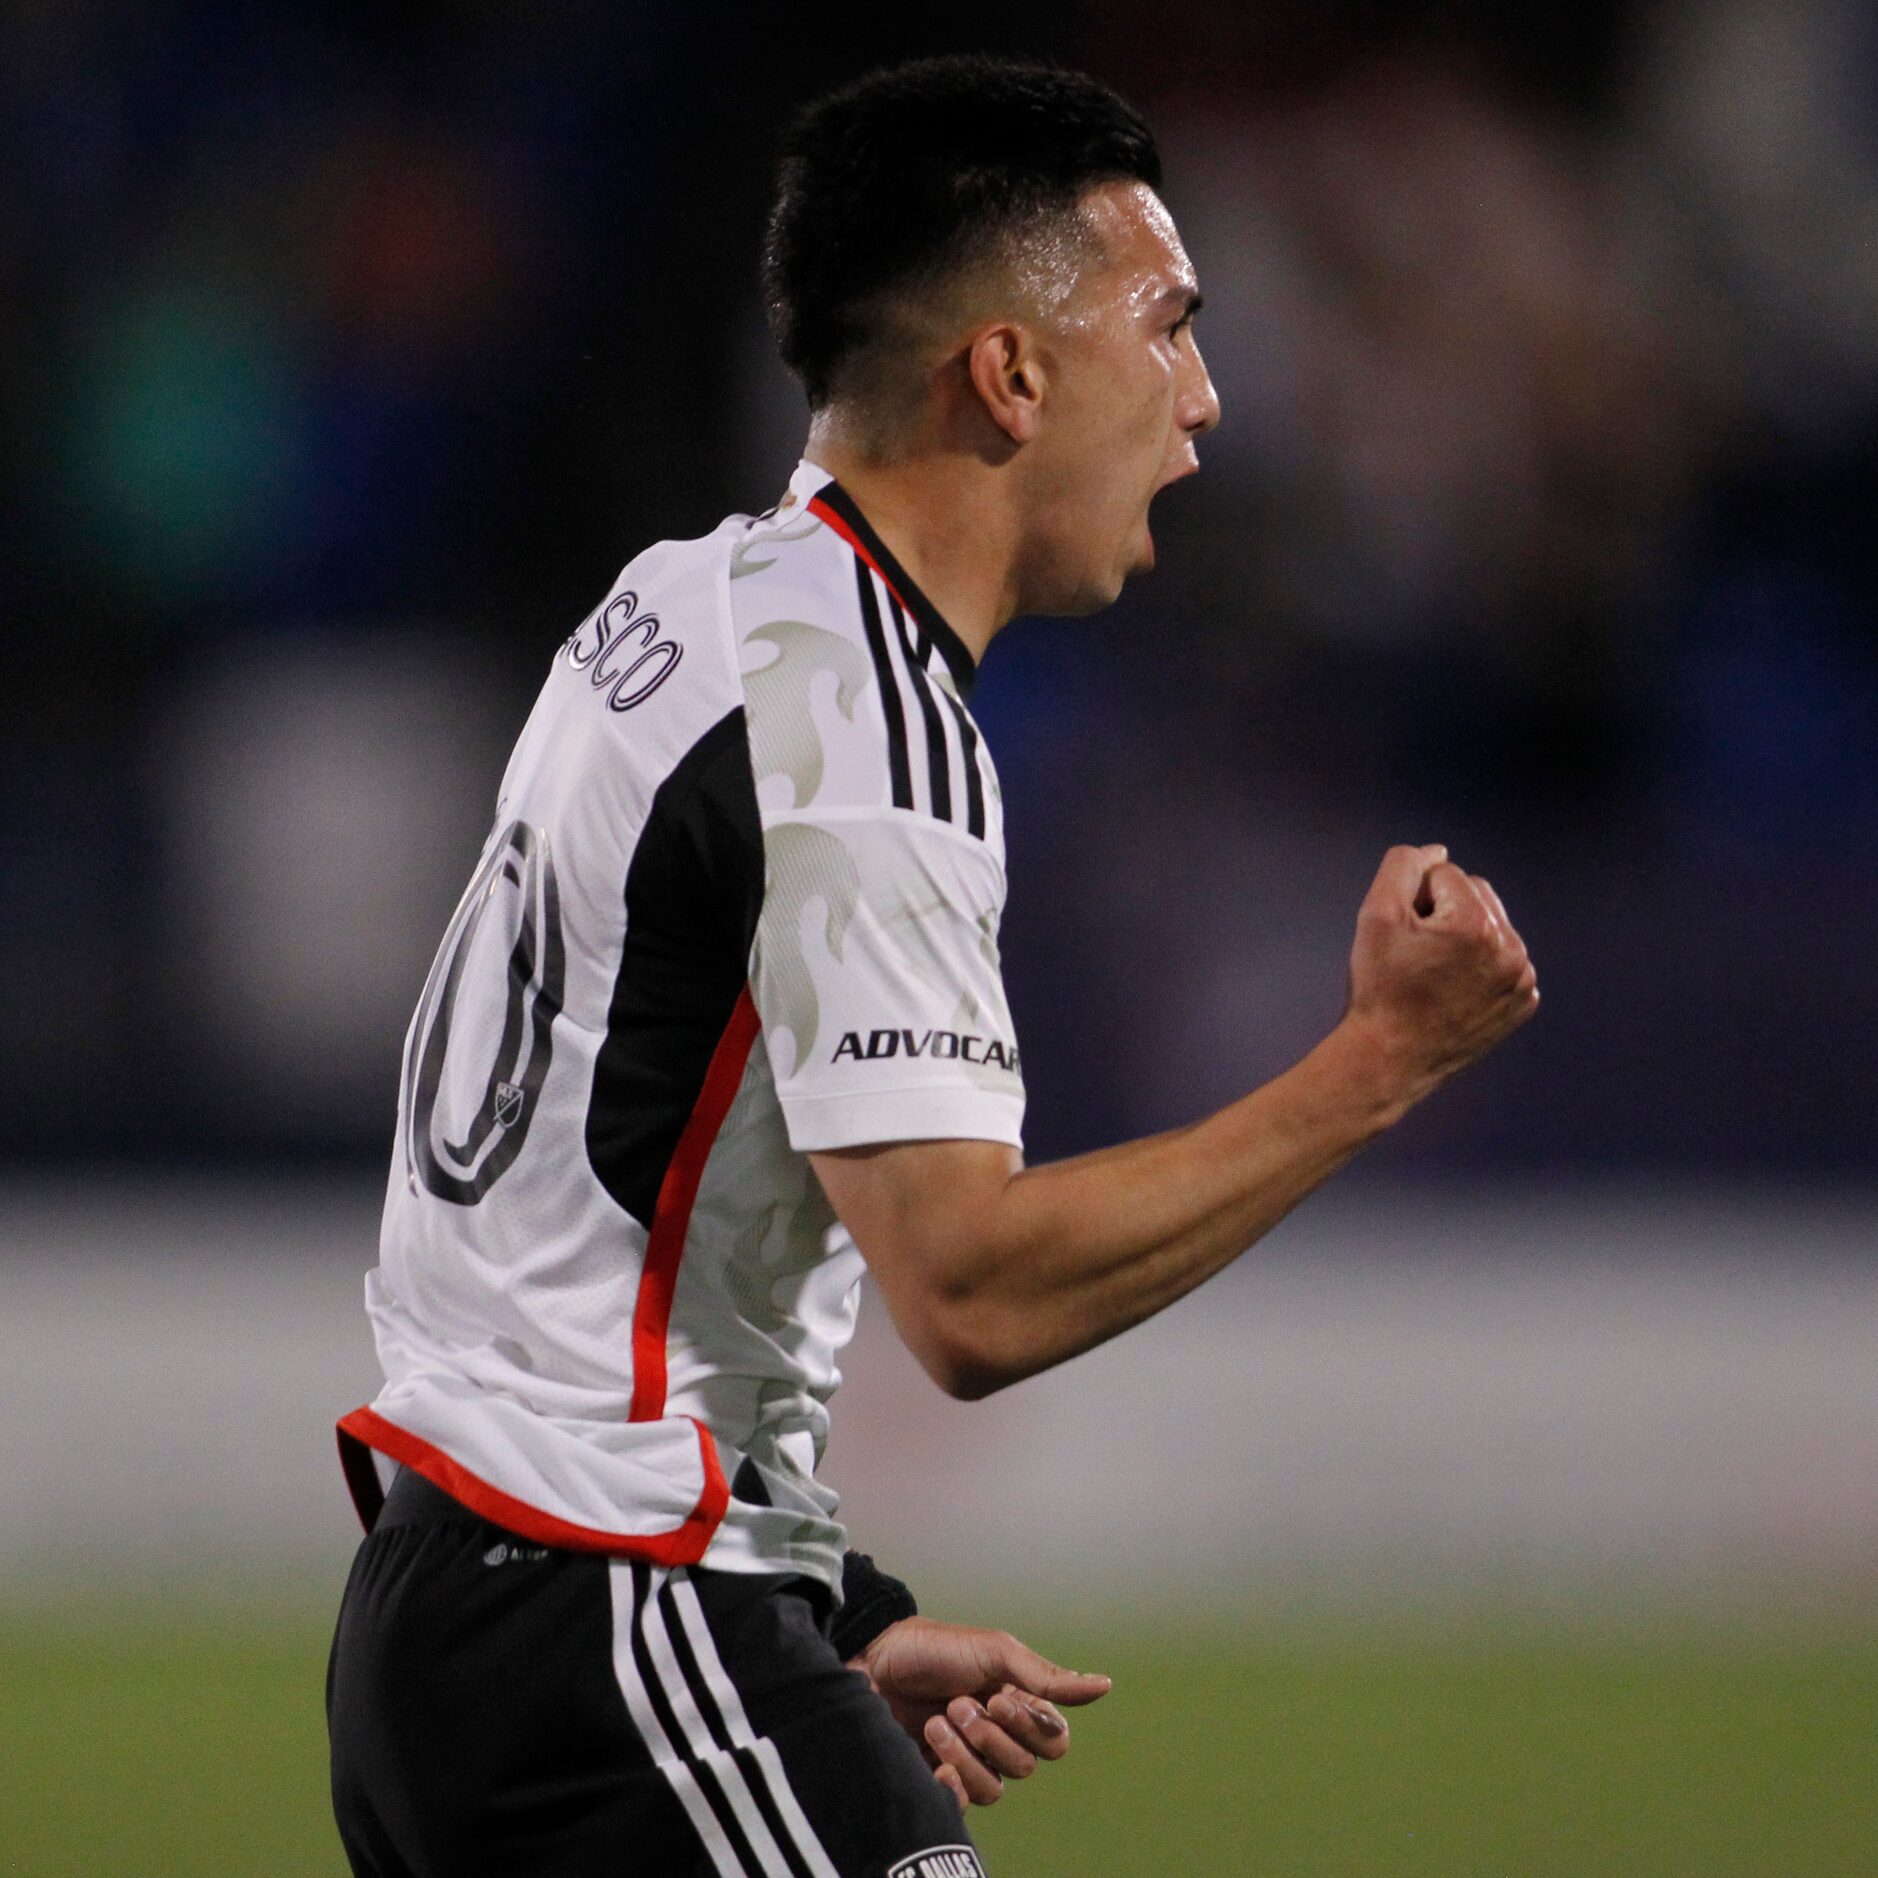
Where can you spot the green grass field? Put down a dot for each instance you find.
(137, 1748)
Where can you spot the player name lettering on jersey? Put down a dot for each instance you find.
(945, 1045)
(600, 645)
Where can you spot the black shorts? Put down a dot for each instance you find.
(502, 1707)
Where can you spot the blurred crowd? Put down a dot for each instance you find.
(349, 350)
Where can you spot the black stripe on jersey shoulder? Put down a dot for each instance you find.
(938, 753)
(952, 648)
(974, 782)
(897, 765)
(693, 889)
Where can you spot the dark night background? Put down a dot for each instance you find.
(1514, 1507)
(349, 351)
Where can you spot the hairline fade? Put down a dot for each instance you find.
(896, 331)
(921, 172)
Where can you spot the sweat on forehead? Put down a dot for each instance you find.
(1039, 268)
(1116, 227)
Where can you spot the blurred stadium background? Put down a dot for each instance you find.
(1516, 1510)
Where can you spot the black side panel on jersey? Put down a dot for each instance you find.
(694, 889)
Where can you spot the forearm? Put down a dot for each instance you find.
(1062, 1257)
(993, 1271)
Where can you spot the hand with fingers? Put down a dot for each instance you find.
(1438, 974)
(982, 1707)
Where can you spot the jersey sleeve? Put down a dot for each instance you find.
(876, 976)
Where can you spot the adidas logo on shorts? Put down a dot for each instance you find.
(941, 1861)
(505, 1554)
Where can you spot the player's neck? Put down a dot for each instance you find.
(946, 523)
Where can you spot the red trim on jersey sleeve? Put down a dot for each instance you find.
(671, 1217)
(682, 1545)
(818, 507)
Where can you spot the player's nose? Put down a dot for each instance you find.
(1198, 406)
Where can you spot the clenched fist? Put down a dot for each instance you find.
(1438, 975)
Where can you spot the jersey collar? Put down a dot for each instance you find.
(844, 512)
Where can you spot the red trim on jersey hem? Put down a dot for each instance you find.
(683, 1544)
(818, 507)
(671, 1216)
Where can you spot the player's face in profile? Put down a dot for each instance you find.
(1129, 395)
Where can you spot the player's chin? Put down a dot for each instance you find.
(1139, 558)
(1098, 586)
(1107, 591)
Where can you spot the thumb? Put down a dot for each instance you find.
(1401, 878)
(1448, 891)
(1037, 1675)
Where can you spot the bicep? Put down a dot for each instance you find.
(920, 1211)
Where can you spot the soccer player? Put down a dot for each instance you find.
(719, 1020)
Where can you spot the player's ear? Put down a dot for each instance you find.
(1007, 376)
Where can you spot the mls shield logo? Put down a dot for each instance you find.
(940, 1861)
(510, 1015)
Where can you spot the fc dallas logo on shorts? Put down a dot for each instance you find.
(942, 1861)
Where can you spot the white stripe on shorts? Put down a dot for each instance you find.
(703, 1748)
(645, 1718)
(737, 1725)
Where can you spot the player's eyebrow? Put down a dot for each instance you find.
(1190, 299)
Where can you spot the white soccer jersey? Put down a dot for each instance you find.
(740, 901)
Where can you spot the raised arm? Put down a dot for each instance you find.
(993, 1271)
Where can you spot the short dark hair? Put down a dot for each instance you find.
(912, 172)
